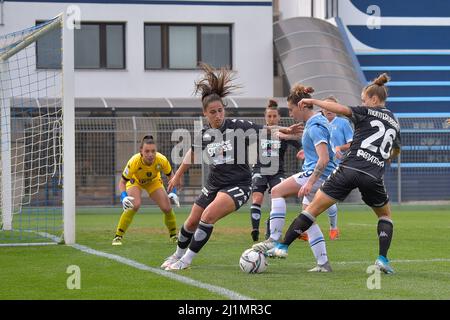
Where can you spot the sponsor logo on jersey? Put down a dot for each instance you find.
(370, 158)
(206, 137)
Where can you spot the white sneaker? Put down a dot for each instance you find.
(169, 260)
(179, 265)
(264, 246)
(326, 267)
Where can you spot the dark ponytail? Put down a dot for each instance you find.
(215, 84)
(148, 139)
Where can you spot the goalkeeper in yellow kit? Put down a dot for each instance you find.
(143, 172)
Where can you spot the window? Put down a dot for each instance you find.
(174, 46)
(87, 46)
(182, 47)
(97, 46)
(100, 46)
(216, 45)
(48, 50)
(153, 47)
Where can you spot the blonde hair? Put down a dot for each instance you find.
(215, 84)
(377, 87)
(332, 98)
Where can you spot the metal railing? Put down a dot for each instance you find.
(104, 145)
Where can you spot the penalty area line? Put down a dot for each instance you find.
(173, 276)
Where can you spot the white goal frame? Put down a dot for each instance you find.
(66, 23)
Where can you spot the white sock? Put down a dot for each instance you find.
(180, 252)
(188, 256)
(332, 216)
(317, 244)
(277, 218)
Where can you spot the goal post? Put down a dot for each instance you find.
(37, 134)
(68, 62)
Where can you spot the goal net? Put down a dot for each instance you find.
(34, 114)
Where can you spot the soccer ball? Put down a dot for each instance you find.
(252, 261)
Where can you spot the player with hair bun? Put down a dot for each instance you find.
(143, 172)
(376, 140)
(317, 166)
(228, 184)
(341, 137)
(269, 170)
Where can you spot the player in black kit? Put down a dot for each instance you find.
(376, 140)
(223, 142)
(269, 170)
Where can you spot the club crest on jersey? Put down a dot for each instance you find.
(149, 174)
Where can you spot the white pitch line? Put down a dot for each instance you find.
(215, 289)
(362, 224)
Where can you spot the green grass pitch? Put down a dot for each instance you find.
(420, 254)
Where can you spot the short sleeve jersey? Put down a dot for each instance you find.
(317, 131)
(341, 132)
(271, 151)
(377, 131)
(144, 174)
(226, 151)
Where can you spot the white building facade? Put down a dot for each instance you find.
(149, 49)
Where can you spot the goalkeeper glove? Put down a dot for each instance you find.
(173, 196)
(127, 201)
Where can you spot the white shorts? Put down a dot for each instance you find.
(301, 178)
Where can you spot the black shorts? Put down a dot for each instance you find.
(239, 193)
(343, 180)
(260, 183)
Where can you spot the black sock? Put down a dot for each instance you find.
(385, 231)
(255, 215)
(201, 236)
(298, 226)
(184, 238)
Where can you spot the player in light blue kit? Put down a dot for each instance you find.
(317, 166)
(341, 138)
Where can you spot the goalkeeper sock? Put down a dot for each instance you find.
(385, 231)
(125, 221)
(170, 222)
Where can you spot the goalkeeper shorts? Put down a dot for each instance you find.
(149, 187)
